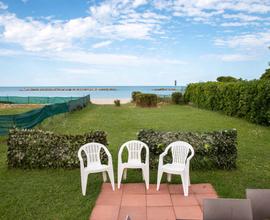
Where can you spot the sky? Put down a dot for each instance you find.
(131, 42)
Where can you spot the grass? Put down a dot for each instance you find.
(56, 194)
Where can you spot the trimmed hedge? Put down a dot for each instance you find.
(134, 95)
(43, 149)
(216, 149)
(245, 99)
(146, 100)
(177, 98)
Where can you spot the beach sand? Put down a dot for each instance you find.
(103, 101)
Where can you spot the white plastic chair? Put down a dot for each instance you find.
(134, 149)
(180, 163)
(94, 165)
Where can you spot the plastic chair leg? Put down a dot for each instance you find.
(111, 177)
(159, 178)
(120, 173)
(84, 183)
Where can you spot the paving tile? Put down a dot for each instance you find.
(104, 212)
(178, 189)
(160, 213)
(135, 213)
(107, 187)
(203, 188)
(188, 212)
(133, 188)
(200, 197)
(163, 189)
(109, 198)
(181, 200)
(158, 200)
(133, 200)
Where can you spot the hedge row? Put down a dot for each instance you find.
(40, 149)
(217, 149)
(144, 99)
(245, 99)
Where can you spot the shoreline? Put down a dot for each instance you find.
(109, 101)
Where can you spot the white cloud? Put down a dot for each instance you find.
(102, 44)
(110, 20)
(210, 10)
(3, 6)
(107, 59)
(76, 70)
(261, 39)
(234, 57)
(138, 3)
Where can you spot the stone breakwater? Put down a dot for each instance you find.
(165, 89)
(67, 89)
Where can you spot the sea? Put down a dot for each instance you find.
(95, 92)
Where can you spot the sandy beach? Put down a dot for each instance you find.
(106, 101)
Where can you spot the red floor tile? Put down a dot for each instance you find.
(133, 188)
(104, 212)
(158, 200)
(200, 197)
(188, 212)
(160, 213)
(178, 189)
(163, 189)
(109, 198)
(166, 204)
(134, 212)
(202, 188)
(133, 200)
(181, 200)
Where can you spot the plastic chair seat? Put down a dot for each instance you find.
(96, 168)
(173, 168)
(133, 164)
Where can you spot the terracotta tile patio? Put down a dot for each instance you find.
(140, 204)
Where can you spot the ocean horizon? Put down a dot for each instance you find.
(106, 92)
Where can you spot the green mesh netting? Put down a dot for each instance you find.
(31, 118)
(35, 99)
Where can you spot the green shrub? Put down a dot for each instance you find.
(146, 100)
(164, 99)
(226, 79)
(216, 149)
(42, 149)
(117, 102)
(134, 95)
(177, 98)
(245, 99)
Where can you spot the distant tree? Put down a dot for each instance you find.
(226, 79)
(266, 75)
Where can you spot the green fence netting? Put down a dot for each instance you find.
(31, 118)
(35, 99)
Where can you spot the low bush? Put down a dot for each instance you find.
(117, 102)
(177, 98)
(134, 95)
(42, 149)
(146, 100)
(216, 149)
(245, 99)
(164, 99)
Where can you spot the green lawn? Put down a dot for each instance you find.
(56, 194)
